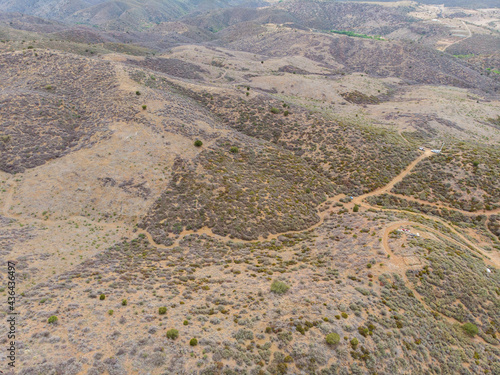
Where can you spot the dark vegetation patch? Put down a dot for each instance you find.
(477, 44)
(252, 193)
(292, 69)
(494, 225)
(173, 67)
(53, 104)
(358, 97)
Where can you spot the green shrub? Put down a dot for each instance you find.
(279, 287)
(172, 334)
(363, 331)
(144, 106)
(162, 310)
(110, 312)
(344, 315)
(137, 93)
(234, 150)
(332, 338)
(470, 329)
(198, 143)
(286, 113)
(354, 342)
(53, 319)
(275, 110)
(193, 342)
(124, 302)
(185, 322)
(102, 297)
(355, 208)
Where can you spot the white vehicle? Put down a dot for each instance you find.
(421, 149)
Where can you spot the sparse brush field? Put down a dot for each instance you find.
(268, 306)
(464, 177)
(349, 156)
(456, 217)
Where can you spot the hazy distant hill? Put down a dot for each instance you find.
(455, 3)
(117, 13)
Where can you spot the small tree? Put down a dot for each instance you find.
(124, 302)
(354, 343)
(332, 338)
(193, 342)
(356, 208)
(234, 150)
(470, 329)
(53, 319)
(198, 143)
(172, 334)
(162, 310)
(102, 297)
(279, 287)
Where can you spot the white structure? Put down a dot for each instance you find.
(408, 232)
(438, 151)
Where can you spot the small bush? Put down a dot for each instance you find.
(124, 302)
(354, 342)
(279, 287)
(102, 297)
(137, 93)
(110, 312)
(275, 110)
(185, 322)
(332, 338)
(234, 150)
(53, 319)
(198, 143)
(144, 106)
(162, 310)
(172, 334)
(193, 342)
(344, 315)
(355, 208)
(286, 113)
(470, 329)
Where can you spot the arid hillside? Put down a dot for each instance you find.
(253, 191)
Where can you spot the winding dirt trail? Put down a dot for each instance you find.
(387, 188)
